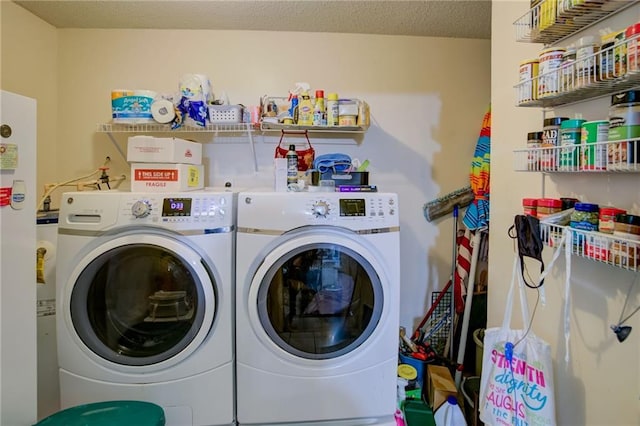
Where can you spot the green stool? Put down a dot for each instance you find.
(108, 413)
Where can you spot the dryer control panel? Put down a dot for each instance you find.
(278, 210)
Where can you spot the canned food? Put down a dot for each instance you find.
(624, 124)
(528, 89)
(550, 61)
(570, 139)
(593, 136)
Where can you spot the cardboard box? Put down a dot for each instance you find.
(149, 149)
(440, 386)
(163, 177)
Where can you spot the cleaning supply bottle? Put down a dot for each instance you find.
(305, 110)
(294, 109)
(292, 165)
(319, 113)
(449, 413)
(332, 109)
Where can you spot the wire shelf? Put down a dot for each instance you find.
(597, 246)
(597, 157)
(593, 76)
(166, 128)
(551, 20)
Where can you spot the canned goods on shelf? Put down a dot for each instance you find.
(550, 61)
(624, 124)
(607, 218)
(528, 88)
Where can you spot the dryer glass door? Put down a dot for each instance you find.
(320, 301)
(138, 304)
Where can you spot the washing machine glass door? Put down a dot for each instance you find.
(320, 301)
(139, 303)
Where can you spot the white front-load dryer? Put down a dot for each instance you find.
(145, 301)
(317, 307)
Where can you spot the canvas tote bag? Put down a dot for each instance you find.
(516, 385)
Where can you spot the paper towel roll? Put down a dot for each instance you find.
(162, 111)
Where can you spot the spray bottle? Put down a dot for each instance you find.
(301, 106)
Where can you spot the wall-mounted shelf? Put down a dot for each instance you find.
(597, 246)
(277, 127)
(549, 22)
(568, 159)
(214, 129)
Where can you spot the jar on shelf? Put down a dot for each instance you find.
(550, 141)
(568, 202)
(625, 252)
(534, 140)
(568, 70)
(550, 61)
(586, 61)
(632, 35)
(624, 124)
(607, 218)
(530, 206)
(585, 217)
(528, 88)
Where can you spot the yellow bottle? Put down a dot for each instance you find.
(305, 110)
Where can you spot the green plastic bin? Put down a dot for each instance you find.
(417, 413)
(108, 413)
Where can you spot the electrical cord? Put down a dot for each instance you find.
(58, 185)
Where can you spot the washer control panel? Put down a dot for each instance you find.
(177, 208)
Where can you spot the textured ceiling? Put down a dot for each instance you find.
(429, 18)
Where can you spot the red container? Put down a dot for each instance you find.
(607, 218)
(547, 206)
(530, 206)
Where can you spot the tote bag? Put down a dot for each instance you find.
(516, 385)
(305, 156)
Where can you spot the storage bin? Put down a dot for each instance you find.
(225, 113)
(108, 413)
(417, 413)
(352, 178)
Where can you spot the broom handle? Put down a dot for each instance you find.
(453, 279)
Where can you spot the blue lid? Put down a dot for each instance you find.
(108, 413)
(452, 400)
(586, 207)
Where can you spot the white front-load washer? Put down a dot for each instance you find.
(317, 308)
(145, 301)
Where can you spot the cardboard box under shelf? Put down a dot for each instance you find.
(352, 178)
(440, 386)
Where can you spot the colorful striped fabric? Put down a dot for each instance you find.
(477, 214)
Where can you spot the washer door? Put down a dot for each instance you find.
(319, 294)
(140, 300)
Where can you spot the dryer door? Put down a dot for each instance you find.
(141, 300)
(319, 293)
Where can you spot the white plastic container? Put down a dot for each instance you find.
(449, 414)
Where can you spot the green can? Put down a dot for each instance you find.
(570, 140)
(594, 148)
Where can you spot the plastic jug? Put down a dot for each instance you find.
(450, 414)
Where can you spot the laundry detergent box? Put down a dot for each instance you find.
(150, 149)
(165, 177)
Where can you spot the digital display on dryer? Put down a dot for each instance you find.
(352, 207)
(176, 207)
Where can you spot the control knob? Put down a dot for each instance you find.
(321, 209)
(141, 209)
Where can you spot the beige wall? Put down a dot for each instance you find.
(30, 68)
(428, 97)
(599, 385)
